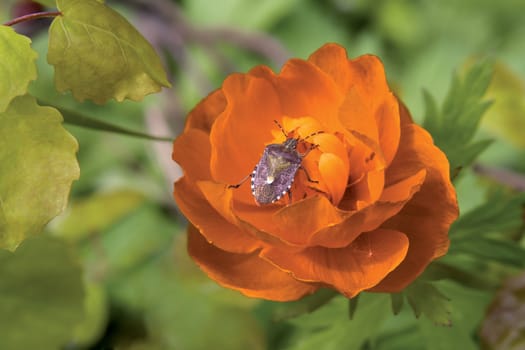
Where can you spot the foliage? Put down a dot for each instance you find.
(112, 270)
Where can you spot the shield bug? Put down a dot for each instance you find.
(275, 172)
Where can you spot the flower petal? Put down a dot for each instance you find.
(204, 114)
(304, 90)
(191, 150)
(368, 72)
(334, 174)
(240, 133)
(370, 218)
(246, 273)
(350, 270)
(209, 222)
(427, 217)
(332, 59)
(254, 220)
(297, 222)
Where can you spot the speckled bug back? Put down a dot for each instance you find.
(273, 176)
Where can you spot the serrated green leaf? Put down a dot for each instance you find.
(499, 213)
(283, 311)
(330, 329)
(41, 295)
(39, 155)
(352, 306)
(17, 65)
(468, 305)
(99, 55)
(397, 301)
(426, 299)
(502, 251)
(454, 125)
(470, 278)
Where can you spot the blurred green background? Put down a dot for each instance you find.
(122, 225)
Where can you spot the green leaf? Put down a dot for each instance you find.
(499, 213)
(454, 125)
(406, 332)
(99, 55)
(457, 271)
(95, 214)
(330, 329)
(96, 316)
(41, 295)
(39, 155)
(17, 65)
(397, 300)
(425, 298)
(467, 306)
(352, 306)
(503, 251)
(283, 311)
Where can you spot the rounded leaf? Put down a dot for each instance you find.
(17, 65)
(99, 55)
(39, 166)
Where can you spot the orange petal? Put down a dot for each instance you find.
(251, 219)
(209, 222)
(388, 125)
(369, 107)
(246, 273)
(305, 90)
(391, 202)
(240, 133)
(297, 222)
(350, 270)
(334, 174)
(191, 150)
(427, 217)
(204, 114)
(333, 60)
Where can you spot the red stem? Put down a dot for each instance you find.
(32, 16)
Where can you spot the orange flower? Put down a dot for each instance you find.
(378, 208)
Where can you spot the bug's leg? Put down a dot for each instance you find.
(240, 183)
(312, 147)
(308, 175)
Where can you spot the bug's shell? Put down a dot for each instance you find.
(273, 176)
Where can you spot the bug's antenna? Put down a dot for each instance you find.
(313, 134)
(280, 127)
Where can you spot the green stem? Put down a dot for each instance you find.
(32, 16)
(75, 118)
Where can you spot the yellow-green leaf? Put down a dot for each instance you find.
(99, 55)
(38, 165)
(41, 295)
(96, 214)
(17, 65)
(506, 118)
(96, 316)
